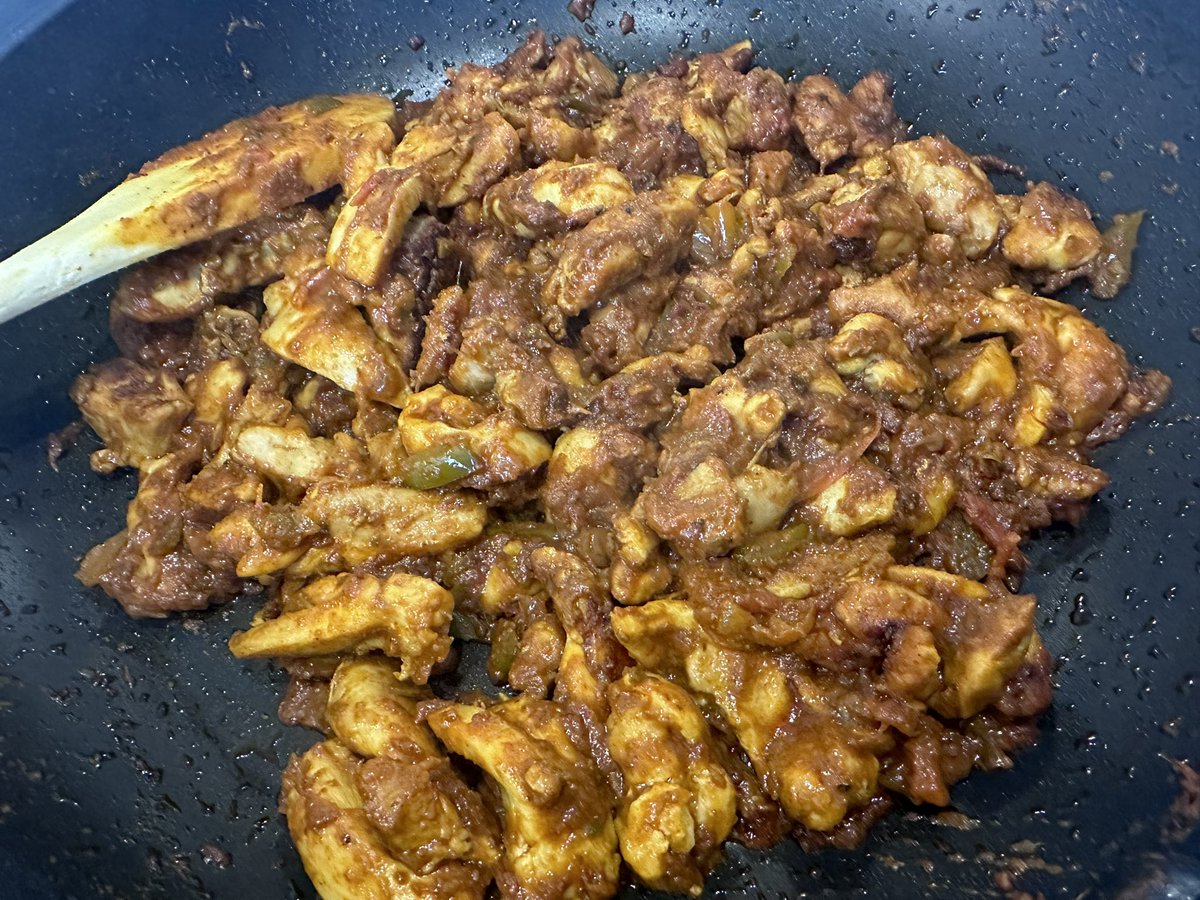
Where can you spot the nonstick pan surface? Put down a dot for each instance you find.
(138, 759)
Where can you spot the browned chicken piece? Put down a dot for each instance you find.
(1050, 231)
(833, 125)
(642, 135)
(263, 538)
(135, 411)
(314, 322)
(559, 835)
(162, 561)
(506, 350)
(952, 191)
(405, 616)
(591, 657)
(382, 521)
(679, 804)
(386, 828)
(183, 283)
(595, 474)
(555, 197)
(695, 502)
(871, 217)
(645, 236)
(618, 331)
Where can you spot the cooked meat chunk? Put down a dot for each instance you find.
(833, 125)
(135, 411)
(559, 836)
(679, 803)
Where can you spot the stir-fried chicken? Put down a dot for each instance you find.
(715, 403)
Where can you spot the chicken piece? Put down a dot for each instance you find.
(405, 616)
(366, 150)
(952, 191)
(385, 522)
(872, 349)
(368, 829)
(555, 197)
(811, 756)
(986, 643)
(645, 392)
(902, 296)
(833, 125)
(643, 237)
(591, 657)
(313, 323)
(506, 349)
(493, 149)
(862, 498)
(501, 449)
(292, 459)
(559, 835)
(641, 133)
(443, 334)
(371, 224)
(695, 503)
(639, 569)
(429, 816)
(136, 412)
(163, 560)
(617, 332)
(263, 538)
(595, 474)
(216, 392)
(185, 282)
(871, 217)
(979, 375)
(1051, 231)
(679, 804)
(703, 122)
(1071, 373)
(549, 137)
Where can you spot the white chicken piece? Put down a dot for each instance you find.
(292, 459)
(383, 521)
(314, 323)
(1070, 372)
(135, 411)
(1050, 231)
(679, 804)
(559, 835)
(952, 191)
(872, 349)
(385, 828)
(371, 224)
(862, 498)
(405, 616)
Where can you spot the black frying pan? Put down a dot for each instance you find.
(140, 759)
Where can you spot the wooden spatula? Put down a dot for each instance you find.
(249, 168)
